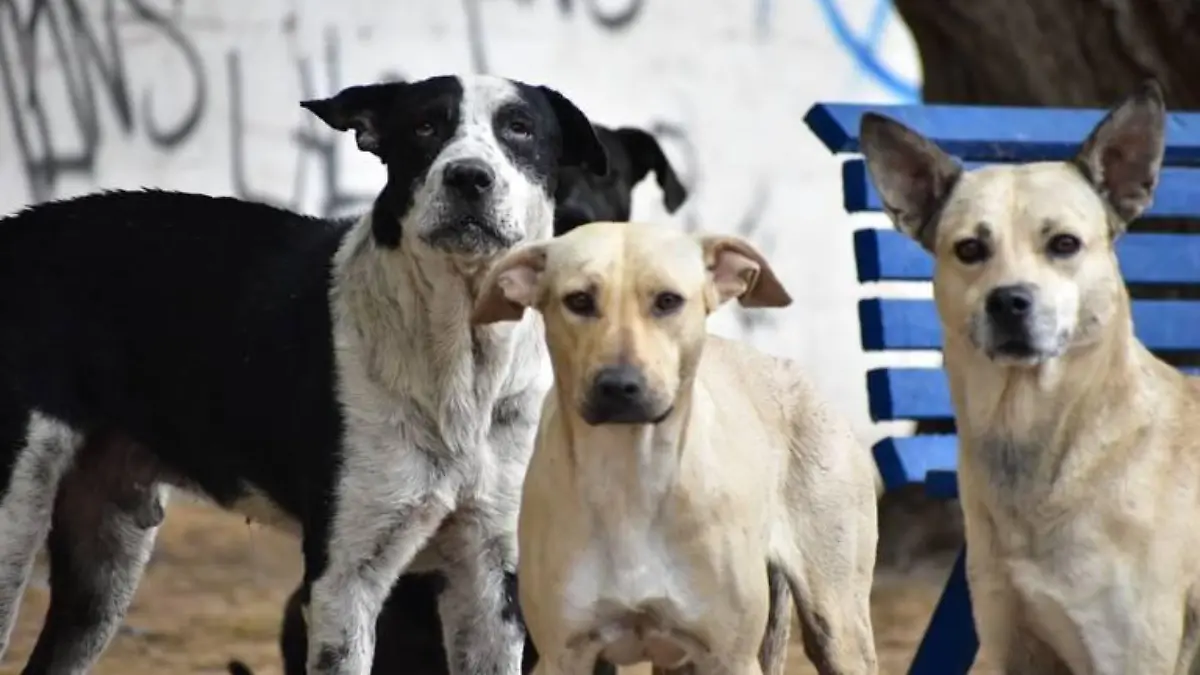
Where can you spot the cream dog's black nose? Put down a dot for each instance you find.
(1010, 303)
(619, 394)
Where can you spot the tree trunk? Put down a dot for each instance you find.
(1065, 53)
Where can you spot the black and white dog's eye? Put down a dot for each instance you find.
(971, 251)
(580, 303)
(667, 303)
(520, 128)
(1064, 245)
(424, 129)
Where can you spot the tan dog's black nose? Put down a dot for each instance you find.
(619, 395)
(1010, 304)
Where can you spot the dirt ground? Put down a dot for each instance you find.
(215, 588)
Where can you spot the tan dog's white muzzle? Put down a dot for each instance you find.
(1016, 325)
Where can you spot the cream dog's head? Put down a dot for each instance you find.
(1025, 269)
(625, 308)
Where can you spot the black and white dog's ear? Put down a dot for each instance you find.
(361, 108)
(646, 155)
(581, 146)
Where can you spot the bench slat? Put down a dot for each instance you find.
(1175, 197)
(906, 460)
(908, 394)
(905, 324)
(1006, 134)
(888, 255)
(916, 393)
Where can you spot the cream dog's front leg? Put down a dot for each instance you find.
(994, 603)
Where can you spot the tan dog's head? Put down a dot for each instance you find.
(625, 308)
(1025, 269)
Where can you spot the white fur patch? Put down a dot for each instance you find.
(27, 508)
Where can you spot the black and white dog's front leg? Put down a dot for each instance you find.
(481, 622)
(379, 526)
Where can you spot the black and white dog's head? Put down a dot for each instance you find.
(584, 196)
(473, 162)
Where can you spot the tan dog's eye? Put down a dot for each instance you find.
(667, 303)
(1064, 245)
(580, 303)
(971, 251)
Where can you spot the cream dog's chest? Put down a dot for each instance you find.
(636, 572)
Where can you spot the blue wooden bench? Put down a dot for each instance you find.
(978, 136)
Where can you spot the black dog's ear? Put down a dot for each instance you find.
(646, 154)
(361, 108)
(581, 147)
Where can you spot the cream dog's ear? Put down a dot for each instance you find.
(512, 284)
(737, 270)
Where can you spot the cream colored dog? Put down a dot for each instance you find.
(672, 467)
(1079, 458)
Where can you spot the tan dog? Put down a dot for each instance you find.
(1079, 459)
(671, 466)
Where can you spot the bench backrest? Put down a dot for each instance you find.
(978, 136)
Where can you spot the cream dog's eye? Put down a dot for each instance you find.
(580, 303)
(971, 251)
(1064, 245)
(667, 303)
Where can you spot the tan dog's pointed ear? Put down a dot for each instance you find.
(512, 284)
(738, 270)
(913, 176)
(1122, 156)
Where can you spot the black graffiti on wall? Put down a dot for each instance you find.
(678, 141)
(314, 143)
(56, 119)
(613, 19)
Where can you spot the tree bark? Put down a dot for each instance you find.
(1063, 53)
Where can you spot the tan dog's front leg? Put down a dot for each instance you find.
(1017, 651)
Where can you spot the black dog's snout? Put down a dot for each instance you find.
(1009, 303)
(470, 177)
(619, 394)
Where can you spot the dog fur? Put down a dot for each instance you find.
(408, 637)
(643, 534)
(1079, 464)
(319, 374)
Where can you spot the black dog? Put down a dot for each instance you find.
(408, 640)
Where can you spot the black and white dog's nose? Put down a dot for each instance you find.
(1010, 303)
(469, 177)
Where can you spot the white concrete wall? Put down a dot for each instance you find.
(202, 96)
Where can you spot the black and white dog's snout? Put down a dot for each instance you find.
(469, 178)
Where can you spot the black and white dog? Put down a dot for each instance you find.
(408, 638)
(292, 369)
